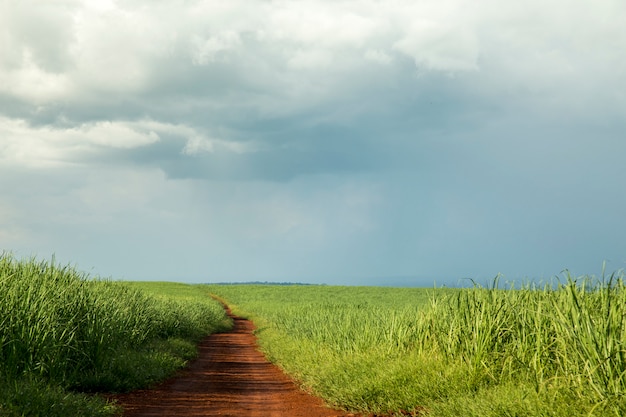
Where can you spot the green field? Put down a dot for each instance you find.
(64, 334)
(553, 351)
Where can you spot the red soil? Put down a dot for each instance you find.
(230, 377)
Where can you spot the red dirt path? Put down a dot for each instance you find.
(230, 377)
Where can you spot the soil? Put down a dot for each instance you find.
(230, 377)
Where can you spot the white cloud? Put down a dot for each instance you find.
(378, 56)
(310, 59)
(220, 65)
(41, 147)
(34, 56)
(38, 147)
(213, 48)
(440, 46)
(198, 144)
(306, 137)
(112, 134)
(322, 24)
(286, 57)
(116, 49)
(31, 83)
(42, 30)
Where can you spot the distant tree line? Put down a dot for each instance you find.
(261, 283)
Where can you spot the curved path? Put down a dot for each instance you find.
(230, 377)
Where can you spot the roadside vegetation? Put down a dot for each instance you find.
(65, 336)
(558, 350)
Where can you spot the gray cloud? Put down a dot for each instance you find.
(315, 139)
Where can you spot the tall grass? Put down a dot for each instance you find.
(572, 338)
(557, 350)
(61, 328)
(353, 346)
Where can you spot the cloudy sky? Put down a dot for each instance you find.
(398, 142)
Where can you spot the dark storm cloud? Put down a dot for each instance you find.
(310, 139)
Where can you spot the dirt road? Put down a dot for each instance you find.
(230, 377)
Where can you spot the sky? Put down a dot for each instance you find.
(363, 142)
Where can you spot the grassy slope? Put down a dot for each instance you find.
(477, 352)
